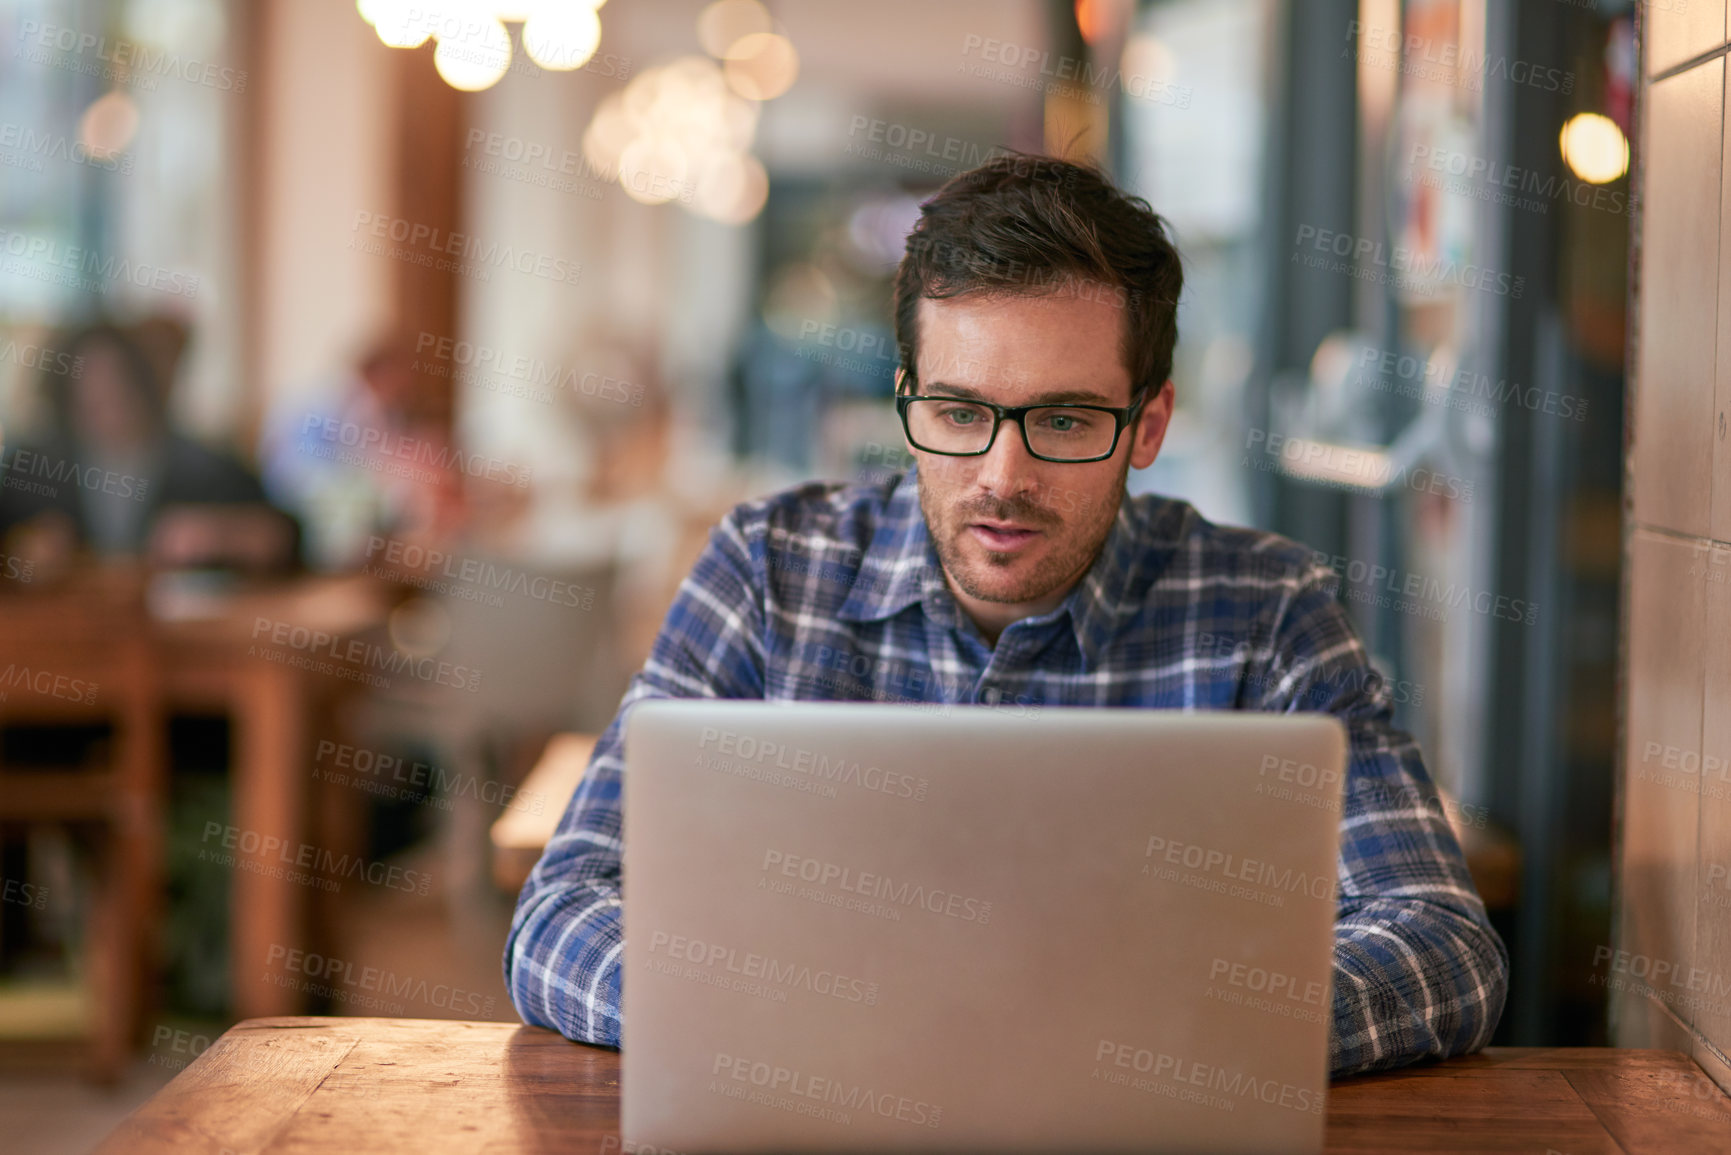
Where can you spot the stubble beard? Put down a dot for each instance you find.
(1078, 542)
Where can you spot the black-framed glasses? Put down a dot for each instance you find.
(959, 427)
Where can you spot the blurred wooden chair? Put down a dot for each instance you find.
(76, 656)
(548, 664)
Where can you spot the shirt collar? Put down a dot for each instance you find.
(1101, 599)
(901, 568)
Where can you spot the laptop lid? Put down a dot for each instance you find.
(857, 927)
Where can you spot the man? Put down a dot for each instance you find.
(1008, 567)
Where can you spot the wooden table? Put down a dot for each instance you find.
(423, 1086)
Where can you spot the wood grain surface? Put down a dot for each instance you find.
(327, 1085)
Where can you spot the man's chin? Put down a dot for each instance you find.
(1004, 578)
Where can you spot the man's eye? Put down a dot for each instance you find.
(1071, 422)
(961, 416)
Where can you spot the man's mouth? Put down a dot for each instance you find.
(1002, 536)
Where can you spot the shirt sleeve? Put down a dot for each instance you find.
(562, 957)
(1418, 971)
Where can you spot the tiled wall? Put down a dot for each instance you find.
(1670, 969)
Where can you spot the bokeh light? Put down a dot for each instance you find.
(563, 38)
(1097, 20)
(721, 25)
(732, 188)
(762, 66)
(677, 133)
(1594, 148)
(399, 23)
(476, 58)
(652, 170)
(108, 125)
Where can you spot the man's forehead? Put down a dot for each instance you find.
(1043, 340)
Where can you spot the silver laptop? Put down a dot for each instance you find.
(862, 927)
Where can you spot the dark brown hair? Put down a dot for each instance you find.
(135, 368)
(1033, 225)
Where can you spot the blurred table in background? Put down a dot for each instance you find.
(521, 835)
(147, 646)
(414, 1085)
(216, 653)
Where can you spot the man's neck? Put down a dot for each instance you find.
(993, 618)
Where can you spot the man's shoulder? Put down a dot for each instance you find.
(1222, 553)
(817, 517)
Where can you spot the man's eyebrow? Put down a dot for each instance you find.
(1053, 397)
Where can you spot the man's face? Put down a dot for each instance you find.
(1014, 533)
(107, 408)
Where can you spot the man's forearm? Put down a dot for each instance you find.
(1412, 980)
(564, 956)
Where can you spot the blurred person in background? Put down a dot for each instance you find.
(113, 476)
(611, 430)
(162, 338)
(346, 457)
(607, 490)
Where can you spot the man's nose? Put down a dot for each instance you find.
(1007, 470)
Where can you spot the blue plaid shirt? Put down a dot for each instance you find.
(827, 593)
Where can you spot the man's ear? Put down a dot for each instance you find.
(1149, 431)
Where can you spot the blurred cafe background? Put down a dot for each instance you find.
(370, 374)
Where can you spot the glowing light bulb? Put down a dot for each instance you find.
(561, 39)
(399, 23)
(476, 57)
